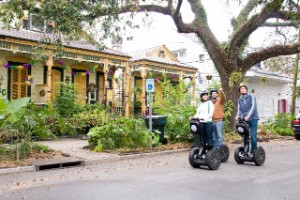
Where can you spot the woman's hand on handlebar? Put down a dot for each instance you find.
(246, 118)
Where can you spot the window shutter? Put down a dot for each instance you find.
(23, 86)
(101, 88)
(55, 81)
(80, 88)
(18, 86)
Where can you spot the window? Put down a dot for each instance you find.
(179, 53)
(25, 24)
(161, 53)
(201, 57)
(18, 87)
(37, 23)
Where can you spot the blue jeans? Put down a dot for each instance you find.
(218, 128)
(253, 131)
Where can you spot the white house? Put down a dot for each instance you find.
(272, 90)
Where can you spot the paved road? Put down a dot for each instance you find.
(161, 178)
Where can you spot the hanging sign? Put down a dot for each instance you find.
(150, 85)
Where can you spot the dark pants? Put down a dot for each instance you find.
(207, 131)
(253, 131)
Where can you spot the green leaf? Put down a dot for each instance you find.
(3, 108)
(16, 109)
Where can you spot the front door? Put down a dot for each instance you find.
(100, 87)
(80, 85)
(56, 78)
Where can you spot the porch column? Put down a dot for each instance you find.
(144, 73)
(127, 90)
(105, 70)
(49, 64)
(143, 95)
(180, 75)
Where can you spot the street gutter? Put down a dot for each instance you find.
(15, 170)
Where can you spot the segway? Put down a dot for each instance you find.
(203, 155)
(224, 150)
(243, 154)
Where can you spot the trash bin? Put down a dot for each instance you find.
(158, 126)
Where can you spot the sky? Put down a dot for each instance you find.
(158, 29)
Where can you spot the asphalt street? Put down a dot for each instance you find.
(164, 177)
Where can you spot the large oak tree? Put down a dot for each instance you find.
(230, 58)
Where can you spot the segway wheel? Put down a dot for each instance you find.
(224, 153)
(193, 156)
(259, 156)
(237, 155)
(213, 159)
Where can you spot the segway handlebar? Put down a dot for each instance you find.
(241, 120)
(242, 127)
(196, 119)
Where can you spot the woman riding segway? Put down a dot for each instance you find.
(201, 126)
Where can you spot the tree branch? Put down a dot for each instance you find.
(242, 34)
(243, 15)
(282, 24)
(202, 30)
(179, 4)
(269, 52)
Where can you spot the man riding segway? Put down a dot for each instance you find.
(247, 117)
(218, 122)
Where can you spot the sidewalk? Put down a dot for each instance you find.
(74, 148)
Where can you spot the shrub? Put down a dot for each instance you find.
(119, 132)
(68, 100)
(176, 106)
(280, 124)
(35, 147)
(3, 150)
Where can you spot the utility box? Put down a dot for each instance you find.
(158, 126)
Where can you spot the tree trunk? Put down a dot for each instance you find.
(296, 69)
(232, 95)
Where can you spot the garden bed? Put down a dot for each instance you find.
(8, 160)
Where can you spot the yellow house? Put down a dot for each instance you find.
(106, 76)
(152, 63)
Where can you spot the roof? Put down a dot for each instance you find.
(258, 71)
(38, 36)
(142, 54)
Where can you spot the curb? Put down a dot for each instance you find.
(13, 170)
(6, 171)
(133, 156)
